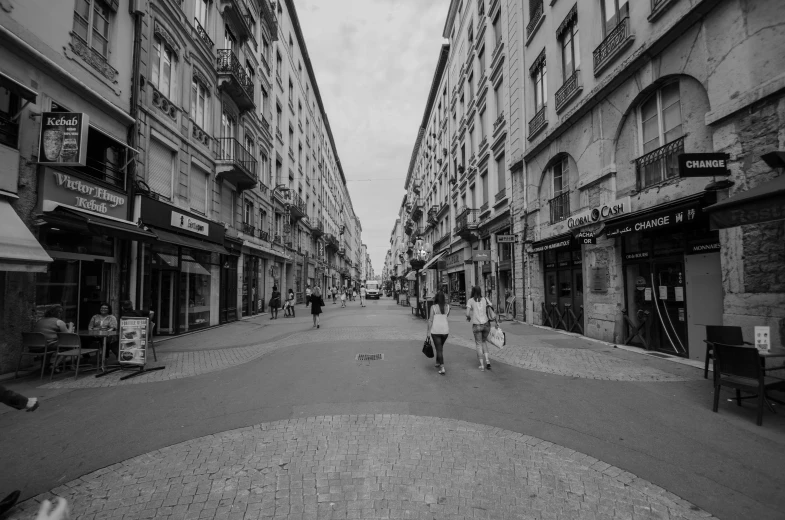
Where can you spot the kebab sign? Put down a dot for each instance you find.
(63, 139)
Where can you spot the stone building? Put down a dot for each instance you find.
(618, 243)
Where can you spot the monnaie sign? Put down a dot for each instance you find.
(599, 213)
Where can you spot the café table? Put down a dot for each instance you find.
(100, 334)
(772, 353)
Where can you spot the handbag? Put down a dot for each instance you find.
(496, 337)
(427, 348)
(489, 311)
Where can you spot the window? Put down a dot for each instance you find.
(228, 202)
(91, 25)
(248, 215)
(501, 177)
(571, 58)
(202, 13)
(230, 41)
(199, 109)
(264, 173)
(497, 28)
(481, 61)
(540, 81)
(278, 172)
(661, 123)
(249, 145)
(278, 116)
(613, 12)
(164, 70)
(481, 121)
(299, 71)
(161, 161)
(560, 172)
(498, 99)
(560, 201)
(470, 86)
(484, 180)
(291, 45)
(9, 107)
(198, 190)
(291, 92)
(299, 112)
(278, 65)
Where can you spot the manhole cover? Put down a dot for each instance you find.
(369, 357)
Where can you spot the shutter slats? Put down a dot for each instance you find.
(160, 168)
(198, 194)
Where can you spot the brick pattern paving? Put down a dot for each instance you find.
(366, 466)
(529, 352)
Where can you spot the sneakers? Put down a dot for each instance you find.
(488, 366)
(441, 370)
(482, 368)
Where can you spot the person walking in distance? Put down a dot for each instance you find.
(275, 302)
(438, 328)
(477, 313)
(343, 297)
(307, 295)
(316, 305)
(362, 295)
(335, 293)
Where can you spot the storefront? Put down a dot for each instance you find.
(182, 272)
(672, 275)
(456, 275)
(86, 245)
(561, 261)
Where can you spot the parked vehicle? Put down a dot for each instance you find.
(372, 290)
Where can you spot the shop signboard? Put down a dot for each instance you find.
(188, 223)
(63, 139)
(65, 189)
(586, 237)
(703, 164)
(556, 242)
(599, 213)
(481, 255)
(599, 279)
(668, 218)
(455, 258)
(506, 239)
(165, 216)
(703, 248)
(134, 334)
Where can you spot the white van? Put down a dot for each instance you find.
(372, 290)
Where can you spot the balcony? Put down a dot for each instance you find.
(497, 58)
(498, 124)
(248, 229)
(417, 209)
(537, 123)
(659, 165)
(484, 208)
(233, 79)
(466, 223)
(483, 147)
(236, 13)
(417, 186)
(297, 206)
(432, 212)
(331, 241)
(569, 91)
(235, 164)
(277, 239)
(199, 33)
(501, 195)
(560, 207)
(317, 228)
(264, 235)
(534, 22)
(613, 45)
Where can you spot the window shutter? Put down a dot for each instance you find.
(160, 168)
(226, 205)
(198, 193)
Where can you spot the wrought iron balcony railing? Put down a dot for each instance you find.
(535, 19)
(485, 206)
(501, 194)
(571, 87)
(201, 33)
(616, 40)
(560, 207)
(248, 229)
(659, 165)
(230, 64)
(264, 235)
(538, 122)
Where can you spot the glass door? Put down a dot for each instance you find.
(94, 283)
(564, 297)
(163, 288)
(669, 305)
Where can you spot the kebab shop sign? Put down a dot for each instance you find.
(68, 190)
(63, 138)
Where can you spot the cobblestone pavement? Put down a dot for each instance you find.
(529, 352)
(366, 466)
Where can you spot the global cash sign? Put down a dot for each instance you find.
(596, 214)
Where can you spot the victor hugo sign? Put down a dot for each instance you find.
(63, 139)
(703, 164)
(68, 190)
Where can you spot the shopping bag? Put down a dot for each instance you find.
(496, 337)
(427, 348)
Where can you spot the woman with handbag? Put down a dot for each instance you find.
(438, 328)
(477, 312)
(316, 305)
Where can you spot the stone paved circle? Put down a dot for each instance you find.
(571, 362)
(366, 466)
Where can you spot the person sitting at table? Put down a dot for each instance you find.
(51, 324)
(105, 321)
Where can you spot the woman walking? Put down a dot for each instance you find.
(438, 328)
(288, 309)
(316, 305)
(362, 295)
(275, 302)
(343, 297)
(477, 313)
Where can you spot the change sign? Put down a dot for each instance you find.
(63, 138)
(703, 164)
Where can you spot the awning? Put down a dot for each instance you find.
(117, 140)
(554, 242)
(21, 251)
(194, 243)
(432, 262)
(678, 213)
(411, 276)
(17, 88)
(763, 203)
(104, 226)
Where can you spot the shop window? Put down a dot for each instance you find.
(199, 106)
(197, 269)
(91, 25)
(164, 76)
(662, 132)
(76, 241)
(9, 127)
(161, 163)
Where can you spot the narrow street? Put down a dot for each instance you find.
(274, 419)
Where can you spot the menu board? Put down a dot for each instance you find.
(133, 340)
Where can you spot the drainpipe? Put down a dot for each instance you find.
(133, 290)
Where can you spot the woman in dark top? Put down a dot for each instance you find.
(316, 305)
(275, 302)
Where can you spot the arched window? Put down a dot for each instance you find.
(559, 202)
(661, 136)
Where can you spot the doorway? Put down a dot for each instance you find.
(563, 305)
(164, 286)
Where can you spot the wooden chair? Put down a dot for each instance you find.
(740, 367)
(34, 344)
(720, 334)
(70, 345)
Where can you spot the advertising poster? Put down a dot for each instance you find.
(763, 338)
(133, 340)
(63, 138)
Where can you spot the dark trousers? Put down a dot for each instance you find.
(438, 344)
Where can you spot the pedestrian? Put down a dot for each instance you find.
(477, 313)
(307, 294)
(438, 328)
(362, 295)
(20, 402)
(316, 305)
(354, 294)
(288, 309)
(275, 302)
(343, 298)
(335, 293)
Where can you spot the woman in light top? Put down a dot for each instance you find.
(438, 328)
(477, 313)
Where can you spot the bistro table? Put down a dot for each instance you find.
(100, 334)
(773, 352)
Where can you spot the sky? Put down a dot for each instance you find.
(374, 61)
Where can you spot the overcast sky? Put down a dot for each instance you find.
(374, 61)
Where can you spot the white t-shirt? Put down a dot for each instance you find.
(362, 292)
(477, 310)
(440, 325)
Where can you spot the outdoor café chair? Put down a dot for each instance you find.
(720, 334)
(740, 367)
(34, 344)
(70, 345)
